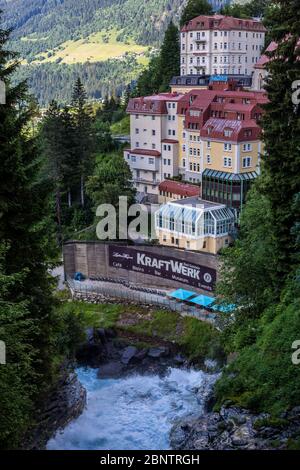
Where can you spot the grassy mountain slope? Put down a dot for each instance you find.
(113, 38)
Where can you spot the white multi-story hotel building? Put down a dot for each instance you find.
(217, 45)
(154, 152)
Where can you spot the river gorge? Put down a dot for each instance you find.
(132, 412)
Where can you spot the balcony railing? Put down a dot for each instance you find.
(145, 181)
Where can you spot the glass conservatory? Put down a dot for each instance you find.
(196, 219)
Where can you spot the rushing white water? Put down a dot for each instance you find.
(130, 413)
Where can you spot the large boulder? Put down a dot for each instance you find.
(128, 354)
(156, 353)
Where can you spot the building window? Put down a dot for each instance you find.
(133, 158)
(247, 147)
(227, 162)
(208, 144)
(227, 147)
(247, 162)
(136, 116)
(137, 131)
(208, 159)
(151, 161)
(153, 118)
(153, 132)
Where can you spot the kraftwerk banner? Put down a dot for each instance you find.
(162, 266)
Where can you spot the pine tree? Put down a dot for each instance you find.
(169, 56)
(26, 292)
(57, 136)
(83, 135)
(156, 78)
(281, 126)
(195, 8)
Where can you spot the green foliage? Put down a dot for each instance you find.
(200, 340)
(254, 8)
(195, 8)
(263, 376)
(50, 81)
(249, 267)
(27, 318)
(92, 316)
(17, 377)
(260, 272)
(162, 324)
(36, 32)
(111, 179)
(163, 67)
(121, 127)
(281, 163)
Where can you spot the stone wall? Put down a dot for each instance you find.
(92, 259)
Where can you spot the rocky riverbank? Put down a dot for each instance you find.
(64, 402)
(234, 428)
(115, 357)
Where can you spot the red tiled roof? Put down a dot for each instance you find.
(155, 104)
(218, 126)
(221, 22)
(152, 153)
(181, 189)
(169, 141)
(264, 59)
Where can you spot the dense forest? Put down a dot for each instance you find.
(55, 81)
(41, 28)
(56, 21)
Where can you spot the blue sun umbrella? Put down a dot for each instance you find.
(202, 300)
(181, 294)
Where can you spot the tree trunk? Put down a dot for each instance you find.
(82, 190)
(69, 198)
(58, 217)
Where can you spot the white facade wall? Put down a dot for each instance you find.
(214, 52)
(148, 132)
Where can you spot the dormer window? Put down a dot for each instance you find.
(228, 132)
(248, 133)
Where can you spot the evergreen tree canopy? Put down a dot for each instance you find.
(27, 320)
(156, 78)
(281, 162)
(195, 8)
(261, 271)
